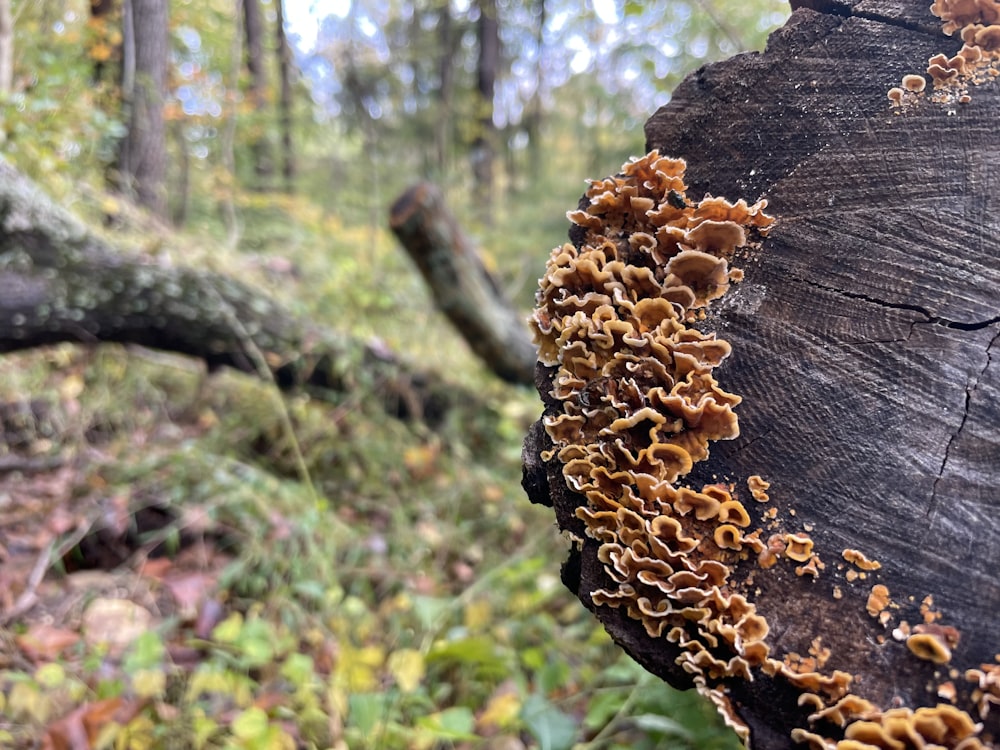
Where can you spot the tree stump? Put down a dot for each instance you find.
(864, 346)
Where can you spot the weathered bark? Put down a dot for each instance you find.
(865, 344)
(462, 287)
(6, 48)
(260, 148)
(284, 99)
(59, 283)
(142, 164)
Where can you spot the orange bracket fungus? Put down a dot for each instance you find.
(756, 428)
(620, 324)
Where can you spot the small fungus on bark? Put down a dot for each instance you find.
(978, 23)
(878, 599)
(758, 487)
(858, 558)
(986, 694)
(930, 647)
(798, 547)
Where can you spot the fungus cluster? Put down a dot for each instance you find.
(986, 693)
(978, 24)
(640, 406)
(927, 728)
(637, 405)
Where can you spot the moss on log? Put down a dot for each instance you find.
(61, 283)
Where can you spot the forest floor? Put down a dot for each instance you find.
(195, 560)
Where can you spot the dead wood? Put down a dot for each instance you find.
(59, 282)
(463, 289)
(865, 342)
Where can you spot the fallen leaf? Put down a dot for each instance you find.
(500, 712)
(211, 614)
(407, 668)
(79, 729)
(45, 642)
(60, 520)
(189, 590)
(157, 568)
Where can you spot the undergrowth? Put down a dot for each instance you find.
(309, 574)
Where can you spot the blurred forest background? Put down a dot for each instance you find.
(194, 560)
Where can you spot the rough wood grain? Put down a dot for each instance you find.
(865, 345)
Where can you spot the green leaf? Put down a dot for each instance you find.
(552, 676)
(228, 631)
(429, 609)
(297, 669)
(251, 724)
(602, 708)
(553, 729)
(146, 652)
(468, 650)
(456, 724)
(365, 710)
(654, 723)
(257, 642)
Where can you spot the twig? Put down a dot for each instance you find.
(54, 550)
(26, 465)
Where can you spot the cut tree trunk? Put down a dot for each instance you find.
(61, 283)
(865, 346)
(461, 286)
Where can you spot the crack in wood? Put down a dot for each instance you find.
(959, 325)
(845, 10)
(969, 391)
(931, 320)
(746, 445)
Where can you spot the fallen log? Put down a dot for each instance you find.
(462, 288)
(851, 603)
(59, 282)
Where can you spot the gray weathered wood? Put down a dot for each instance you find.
(865, 344)
(462, 287)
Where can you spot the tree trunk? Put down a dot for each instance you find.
(60, 283)
(6, 49)
(462, 287)
(260, 148)
(484, 145)
(447, 47)
(285, 99)
(143, 156)
(864, 342)
(181, 198)
(534, 115)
